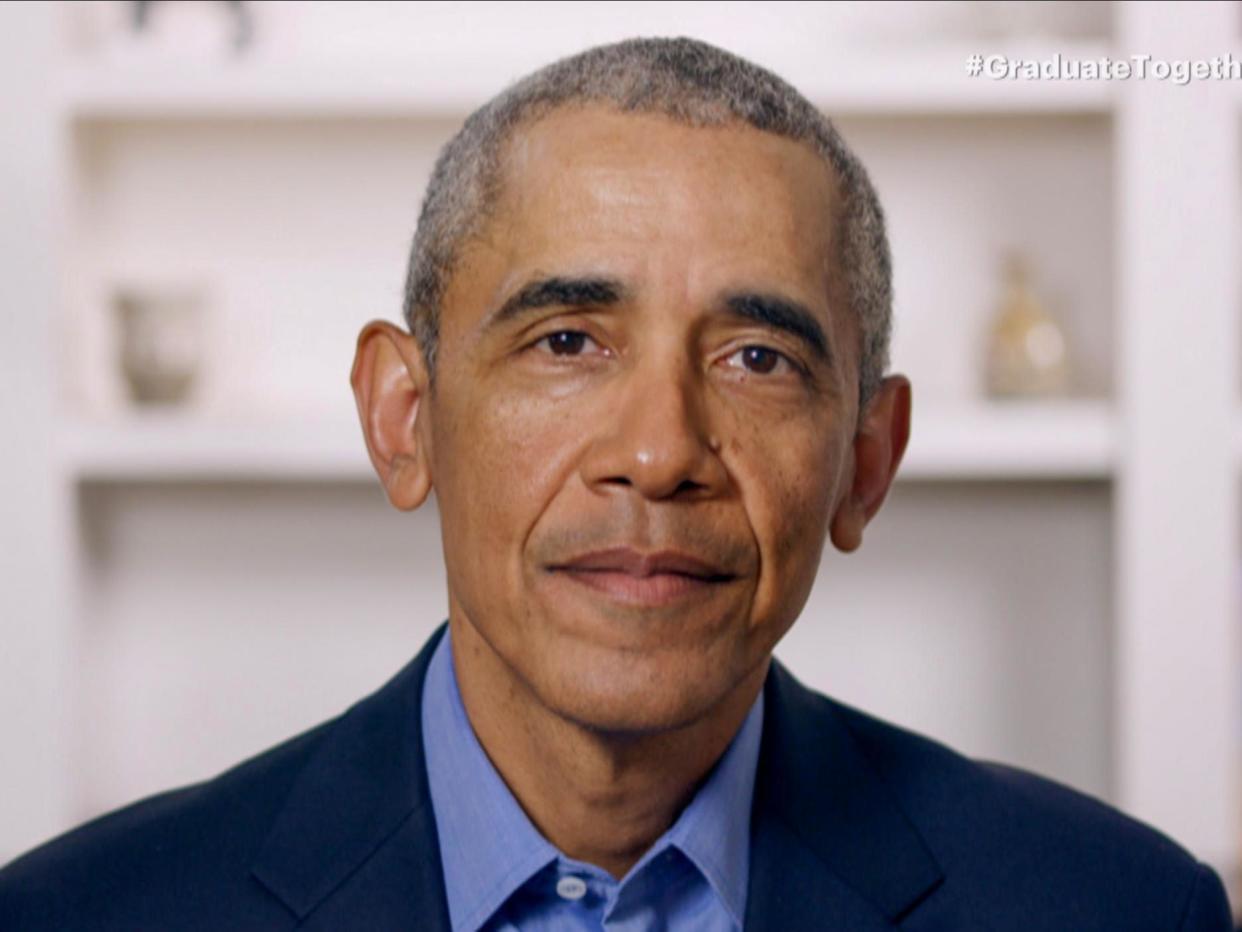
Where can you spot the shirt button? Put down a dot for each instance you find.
(571, 888)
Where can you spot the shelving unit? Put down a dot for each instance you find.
(1021, 441)
(170, 448)
(294, 181)
(913, 81)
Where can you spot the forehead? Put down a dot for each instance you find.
(658, 203)
(600, 138)
(591, 163)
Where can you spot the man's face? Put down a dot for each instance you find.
(644, 404)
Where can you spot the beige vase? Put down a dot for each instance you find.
(1027, 355)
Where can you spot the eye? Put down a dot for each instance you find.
(760, 360)
(565, 342)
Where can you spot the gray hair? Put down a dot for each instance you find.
(689, 81)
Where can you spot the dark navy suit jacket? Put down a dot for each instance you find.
(856, 825)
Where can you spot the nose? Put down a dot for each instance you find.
(658, 439)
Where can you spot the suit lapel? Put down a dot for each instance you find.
(355, 845)
(829, 846)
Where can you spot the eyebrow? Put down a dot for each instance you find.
(782, 314)
(561, 291)
(557, 291)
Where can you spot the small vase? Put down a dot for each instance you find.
(160, 342)
(1026, 350)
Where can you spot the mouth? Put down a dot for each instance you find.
(644, 579)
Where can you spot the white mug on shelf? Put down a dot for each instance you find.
(161, 336)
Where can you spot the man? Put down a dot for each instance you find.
(648, 306)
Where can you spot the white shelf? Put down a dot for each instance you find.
(1018, 440)
(894, 81)
(1013, 440)
(169, 447)
(285, 90)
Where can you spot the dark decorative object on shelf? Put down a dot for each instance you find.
(243, 25)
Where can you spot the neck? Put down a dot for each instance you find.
(599, 797)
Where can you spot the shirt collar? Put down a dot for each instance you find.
(713, 831)
(489, 847)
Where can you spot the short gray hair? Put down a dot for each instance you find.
(689, 81)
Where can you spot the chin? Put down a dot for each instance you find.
(633, 695)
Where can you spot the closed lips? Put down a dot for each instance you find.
(634, 563)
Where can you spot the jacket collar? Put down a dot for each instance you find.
(830, 848)
(356, 840)
(357, 835)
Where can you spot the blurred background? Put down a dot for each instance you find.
(203, 203)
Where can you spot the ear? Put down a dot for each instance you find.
(879, 443)
(390, 381)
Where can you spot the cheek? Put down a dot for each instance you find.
(795, 479)
(504, 459)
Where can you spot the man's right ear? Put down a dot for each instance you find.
(390, 381)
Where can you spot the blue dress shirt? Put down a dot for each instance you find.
(501, 874)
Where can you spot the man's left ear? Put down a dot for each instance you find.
(879, 443)
(390, 383)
